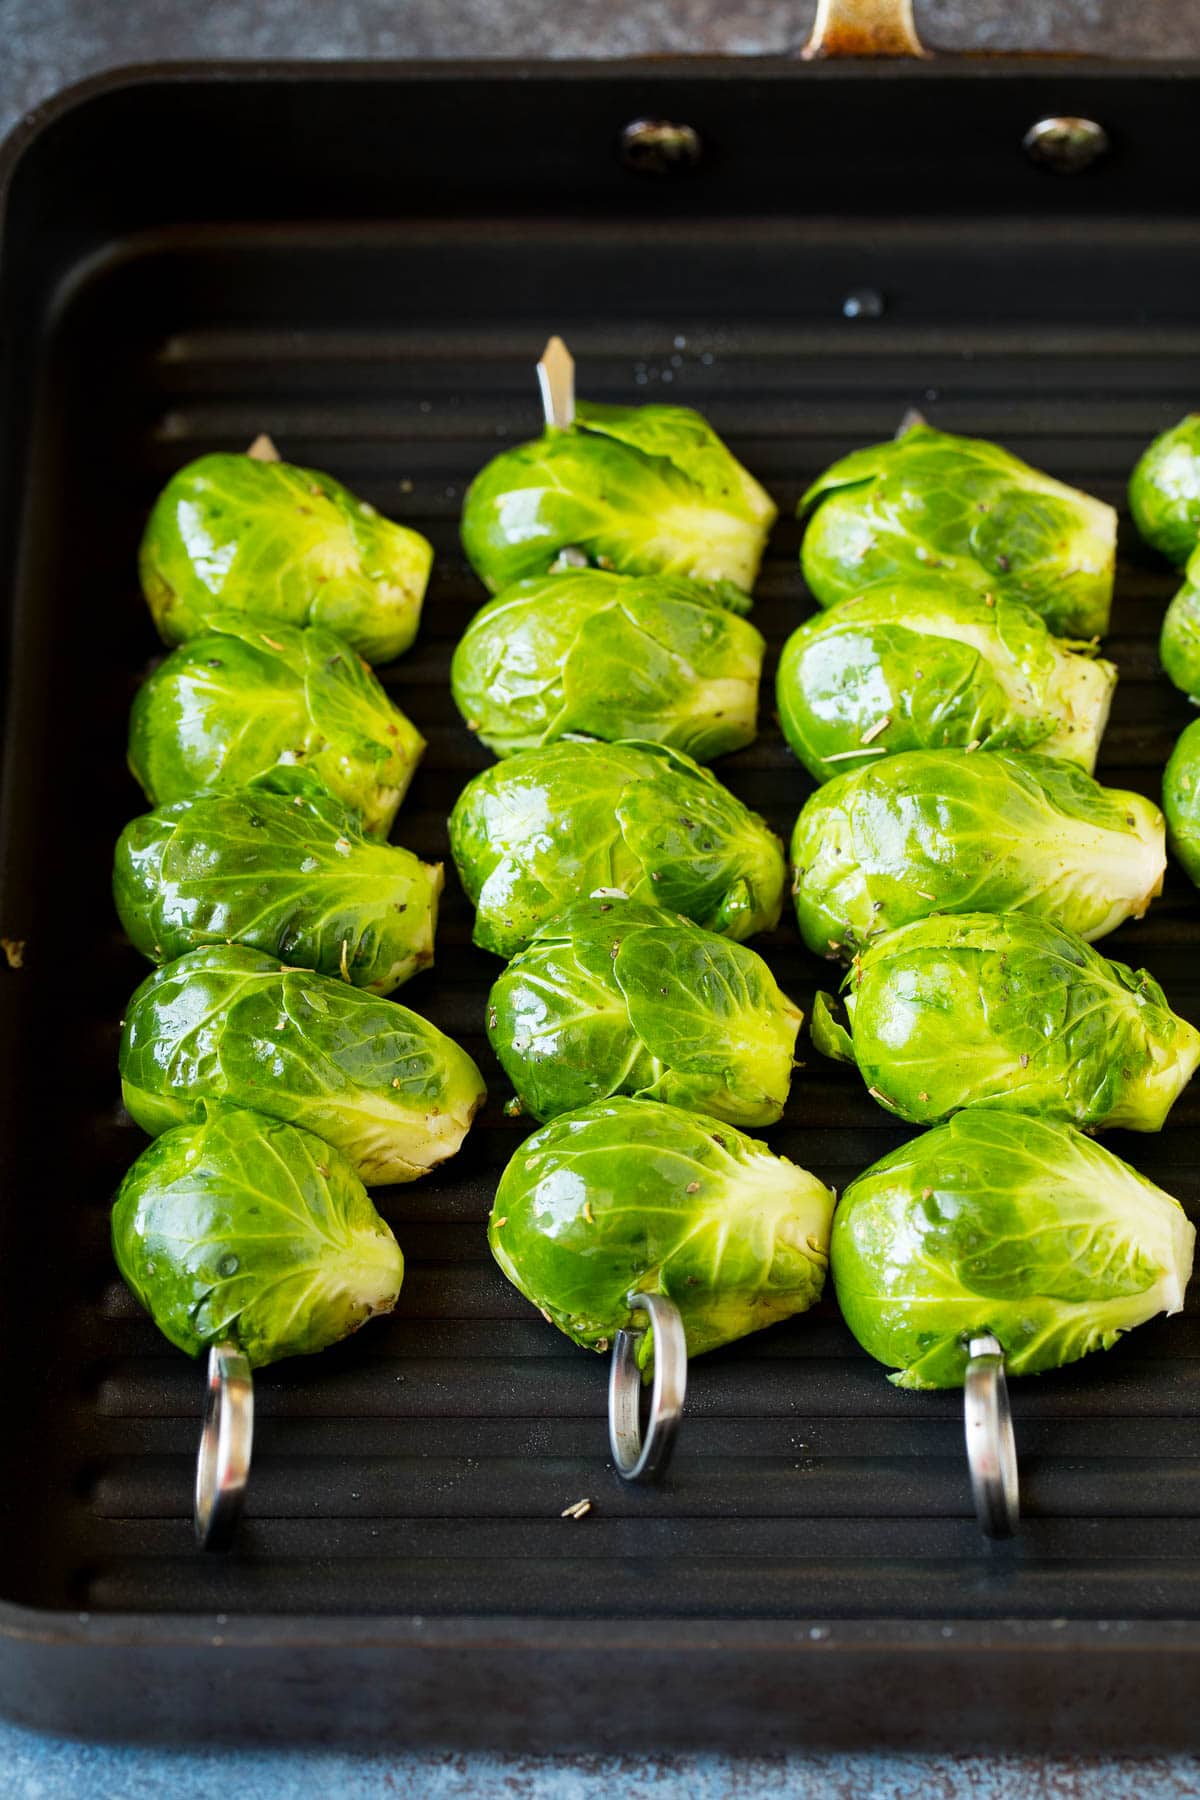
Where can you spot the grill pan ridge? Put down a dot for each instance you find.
(366, 263)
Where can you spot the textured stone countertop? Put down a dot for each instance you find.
(44, 46)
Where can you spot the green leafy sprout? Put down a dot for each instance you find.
(234, 534)
(282, 867)
(246, 695)
(617, 997)
(609, 656)
(641, 490)
(930, 502)
(1009, 1225)
(632, 1195)
(1010, 1012)
(247, 1230)
(393, 1093)
(932, 831)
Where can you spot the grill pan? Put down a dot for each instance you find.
(365, 262)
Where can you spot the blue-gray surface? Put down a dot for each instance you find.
(32, 1768)
(44, 45)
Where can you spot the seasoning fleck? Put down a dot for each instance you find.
(14, 951)
(577, 1510)
(693, 1187)
(880, 726)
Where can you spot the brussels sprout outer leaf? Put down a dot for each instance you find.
(925, 666)
(630, 1194)
(1008, 1225)
(243, 1228)
(828, 1034)
(617, 997)
(1179, 645)
(964, 508)
(1013, 1012)
(1164, 491)
(390, 1090)
(282, 866)
(609, 656)
(642, 497)
(247, 694)
(942, 831)
(554, 825)
(1181, 799)
(232, 534)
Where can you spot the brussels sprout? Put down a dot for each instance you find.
(231, 534)
(613, 997)
(629, 1195)
(926, 665)
(645, 490)
(244, 1229)
(575, 818)
(282, 866)
(1009, 1012)
(1181, 799)
(994, 1223)
(961, 505)
(1179, 646)
(1164, 491)
(940, 831)
(609, 656)
(387, 1088)
(245, 695)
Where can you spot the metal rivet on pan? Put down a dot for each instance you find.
(658, 147)
(1065, 145)
(863, 303)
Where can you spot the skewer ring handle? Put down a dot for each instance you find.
(638, 1458)
(991, 1447)
(226, 1440)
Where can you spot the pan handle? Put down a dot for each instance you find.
(864, 28)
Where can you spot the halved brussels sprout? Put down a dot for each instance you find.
(928, 665)
(1164, 491)
(248, 694)
(644, 490)
(609, 656)
(387, 1088)
(282, 866)
(962, 506)
(933, 831)
(232, 534)
(243, 1229)
(1179, 645)
(630, 1195)
(994, 1223)
(1181, 799)
(1009, 1012)
(613, 997)
(575, 818)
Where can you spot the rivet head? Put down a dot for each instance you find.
(1065, 145)
(659, 147)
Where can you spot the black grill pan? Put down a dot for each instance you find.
(365, 262)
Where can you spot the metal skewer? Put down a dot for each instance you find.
(991, 1447)
(226, 1440)
(556, 379)
(638, 1458)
